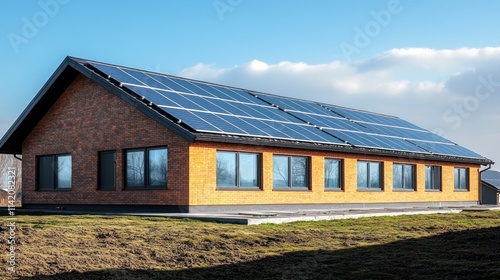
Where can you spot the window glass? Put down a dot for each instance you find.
(226, 169)
(54, 172)
(369, 175)
(135, 168)
(332, 174)
(397, 176)
(428, 178)
(374, 175)
(249, 170)
(290, 172)
(432, 177)
(64, 172)
(362, 175)
(299, 172)
(280, 171)
(461, 179)
(46, 172)
(107, 170)
(409, 177)
(157, 167)
(237, 170)
(404, 176)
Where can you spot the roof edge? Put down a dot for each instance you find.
(31, 106)
(335, 148)
(61, 78)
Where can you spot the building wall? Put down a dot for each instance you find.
(489, 196)
(87, 119)
(203, 190)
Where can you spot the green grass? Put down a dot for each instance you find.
(444, 246)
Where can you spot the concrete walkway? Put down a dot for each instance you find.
(279, 217)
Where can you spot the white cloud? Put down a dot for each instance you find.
(436, 89)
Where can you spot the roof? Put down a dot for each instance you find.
(491, 178)
(202, 111)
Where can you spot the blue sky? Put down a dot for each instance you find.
(420, 60)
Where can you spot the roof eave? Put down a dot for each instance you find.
(490, 186)
(334, 148)
(11, 142)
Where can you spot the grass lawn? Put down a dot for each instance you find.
(443, 246)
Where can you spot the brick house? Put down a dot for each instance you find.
(101, 136)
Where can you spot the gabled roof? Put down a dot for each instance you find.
(491, 178)
(201, 111)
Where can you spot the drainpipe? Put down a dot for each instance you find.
(481, 184)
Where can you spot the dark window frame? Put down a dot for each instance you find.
(100, 185)
(290, 174)
(340, 174)
(146, 169)
(414, 174)
(436, 180)
(55, 174)
(368, 177)
(458, 183)
(238, 186)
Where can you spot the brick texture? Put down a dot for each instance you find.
(203, 191)
(87, 119)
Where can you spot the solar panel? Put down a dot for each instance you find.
(491, 177)
(206, 107)
(369, 130)
(117, 74)
(215, 109)
(446, 149)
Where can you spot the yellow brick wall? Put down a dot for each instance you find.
(202, 180)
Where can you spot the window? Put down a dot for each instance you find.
(237, 170)
(461, 179)
(369, 175)
(107, 170)
(403, 177)
(290, 172)
(333, 174)
(146, 168)
(54, 172)
(433, 178)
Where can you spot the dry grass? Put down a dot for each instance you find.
(446, 246)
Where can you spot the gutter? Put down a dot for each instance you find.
(481, 183)
(335, 148)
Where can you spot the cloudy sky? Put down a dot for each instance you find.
(433, 63)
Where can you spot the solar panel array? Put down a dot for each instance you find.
(491, 177)
(215, 109)
(210, 108)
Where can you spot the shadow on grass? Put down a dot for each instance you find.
(472, 254)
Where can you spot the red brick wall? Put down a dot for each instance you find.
(87, 119)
